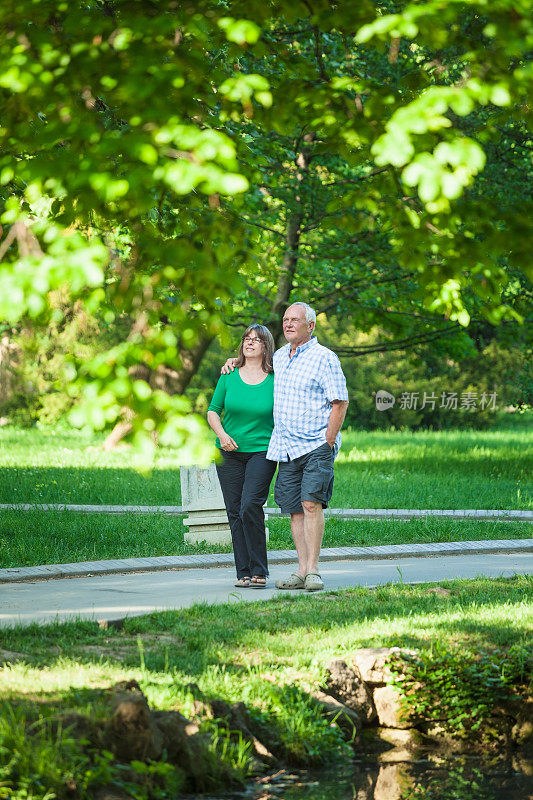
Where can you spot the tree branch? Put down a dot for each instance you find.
(399, 344)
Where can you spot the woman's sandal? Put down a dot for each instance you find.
(258, 582)
(243, 583)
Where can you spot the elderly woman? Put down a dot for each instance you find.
(245, 398)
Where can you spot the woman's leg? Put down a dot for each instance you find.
(257, 479)
(231, 476)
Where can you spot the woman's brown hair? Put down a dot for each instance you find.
(268, 346)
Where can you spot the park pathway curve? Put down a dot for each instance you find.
(112, 597)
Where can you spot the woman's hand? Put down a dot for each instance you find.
(227, 443)
(229, 366)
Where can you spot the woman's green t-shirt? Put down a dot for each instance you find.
(248, 410)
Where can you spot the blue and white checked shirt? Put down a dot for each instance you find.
(304, 387)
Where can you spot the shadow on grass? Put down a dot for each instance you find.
(291, 631)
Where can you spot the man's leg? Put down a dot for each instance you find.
(313, 532)
(317, 487)
(287, 493)
(299, 538)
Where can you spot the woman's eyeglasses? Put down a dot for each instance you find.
(250, 340)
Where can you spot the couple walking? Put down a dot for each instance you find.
(286, 406)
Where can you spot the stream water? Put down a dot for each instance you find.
(453, 778)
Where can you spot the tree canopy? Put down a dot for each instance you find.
(165, 160)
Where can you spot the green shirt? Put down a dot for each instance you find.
(248, 410)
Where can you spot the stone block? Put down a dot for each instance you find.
(346, 718)
(388, 708)
(200, 489)
(391, 783)
(201, 498)
(346, 685)
(401, 737)
(373, 662)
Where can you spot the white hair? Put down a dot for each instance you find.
(310, 313)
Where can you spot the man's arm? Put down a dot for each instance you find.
(336, 418)
(228, 366)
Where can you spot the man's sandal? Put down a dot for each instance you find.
(243, 583)
(258, 582)
(313, 582)
(294, 581)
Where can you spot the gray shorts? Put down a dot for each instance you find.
(308, 477)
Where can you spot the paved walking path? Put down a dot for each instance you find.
(203, 560)
(113, 597)
(345, 513)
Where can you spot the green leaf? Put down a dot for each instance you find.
(241, 31)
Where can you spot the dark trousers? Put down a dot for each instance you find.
(245, 480)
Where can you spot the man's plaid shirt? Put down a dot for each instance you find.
(304, 387)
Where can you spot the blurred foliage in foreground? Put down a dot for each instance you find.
(148, 152)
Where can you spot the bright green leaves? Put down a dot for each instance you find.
(241, 31)
(107, 391)
(113, 132)
(212, 155)
(183, 177)
(149, 127)
(15, 80)
(54, 258)
(121, 38)
(393, 25)
(108, 187)
(442, 175)
(450, 302)
(486, 70)
(243, 88)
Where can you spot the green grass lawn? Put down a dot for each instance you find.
(392, 469)
(395, 469)
(29, 538)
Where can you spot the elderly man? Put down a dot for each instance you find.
(310, 402)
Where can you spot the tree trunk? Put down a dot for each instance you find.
(292, 241)
(10, 358)
(165, 379)
(286, 278)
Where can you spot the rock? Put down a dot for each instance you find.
(388, 708)
(396, 755)
(346, 718)
(523, 764)
(363, 785)
(11, 657)
(401, 737)
(390, 783)
(522, 732)
(131, 731)
(185, 746)
(443, 738)
(373, 662)
(109, 624)
(346, 684)
(78, 726)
